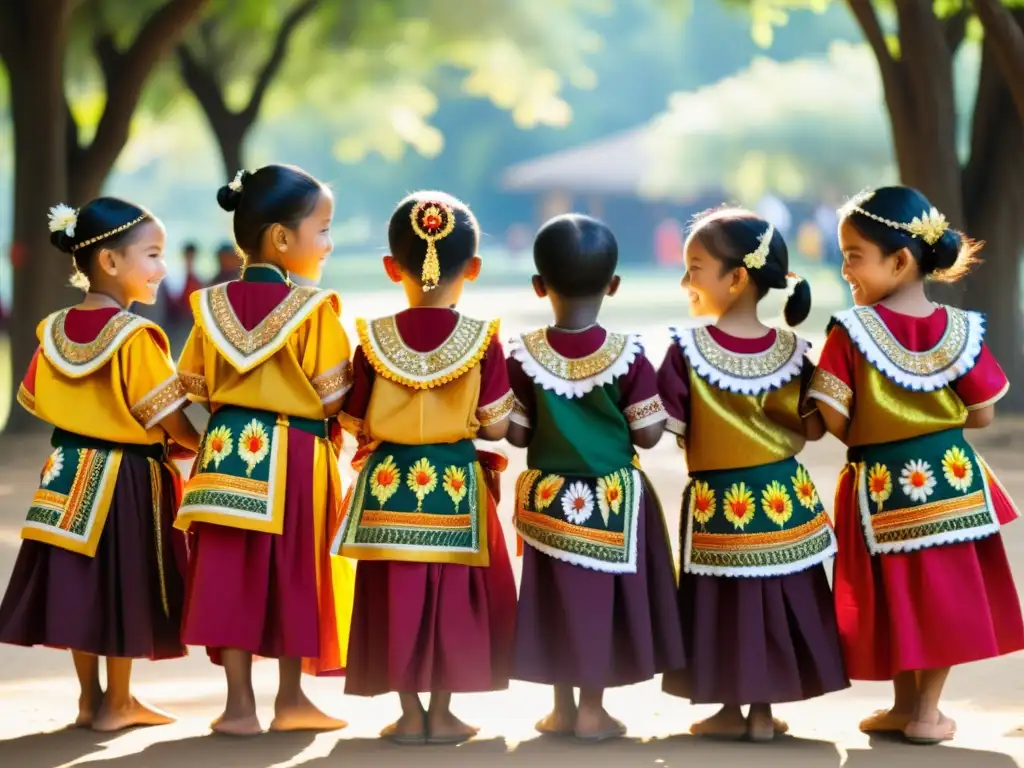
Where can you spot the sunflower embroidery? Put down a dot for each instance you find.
(454, 484)
(422, 480)
(806, 493)
(578, 503)
(958, 469)
(879, 484)
(609, 496)
(384, 481)
(253, 445)
(776, 503)
(702, 502)
(739, 505)
(53, 466)
(917, 480)
(219, 445)
(547, 490)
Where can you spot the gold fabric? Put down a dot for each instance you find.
(442, 414)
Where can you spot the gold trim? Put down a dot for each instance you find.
(832, 390)
(928, 362)
(26, 399)
(334, 383)
(494, 412)
(266, 332)
(392, 359)
(984, 404)
(576, 368)
(162, 397)
(645, 410)
(76, 353)
(195, 385)
(746, 366)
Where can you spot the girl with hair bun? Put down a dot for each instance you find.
(270, 361)
(435, 600)
(922, 582)
(98, 571)
(754, 598)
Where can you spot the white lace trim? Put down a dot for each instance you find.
(572, 388)
(869, 347)
(752, 385)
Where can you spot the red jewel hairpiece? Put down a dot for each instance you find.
(432, 221)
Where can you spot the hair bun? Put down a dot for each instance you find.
(61, 241)
(946, 251)
(228, 197)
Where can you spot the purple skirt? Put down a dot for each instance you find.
(109, 604)
(758, 640)
(583, 628)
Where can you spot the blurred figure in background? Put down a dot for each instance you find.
(229, 264)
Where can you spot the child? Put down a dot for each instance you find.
(435, 595)
(270, 361)
(754, 596)
(922, 581)
(98, 571)
(597, 604)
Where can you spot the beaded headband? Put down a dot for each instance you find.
(930, 226)
(759, 256)
(64, 217)
(431, 221)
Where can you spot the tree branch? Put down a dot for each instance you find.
(1003, 30)
(864, 12)
(202, 81)
(955, 29)
(990, 107)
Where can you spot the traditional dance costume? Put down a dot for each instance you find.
(753, 595)
(597, 601)
(435, 596)
(922, 580)
(270, 361)
(100, 570)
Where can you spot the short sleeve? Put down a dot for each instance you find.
(325, 353)
(151, 384)
(523, 402)
(358, 400)
(638, 395)
(832, 381)
(27, 388)
(192, 367)
(984, 385)
(672, 381)
(496, 398)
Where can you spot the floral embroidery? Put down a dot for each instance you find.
(384, 481)
(578, 503)
(547, 490)
(253, 445)
(776, 503)
(879, 484)
(806, 493)
(917, 480)
(702, 502)
(739, 505)
(609, 496)
(219, 444)
(957, 468)
(422, 480)
(454, 484)
(53, 466)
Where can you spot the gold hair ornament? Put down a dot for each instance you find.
(759, 256)
(930, 226)
(111, 233)
(63, 217)
(235, 185)
(431, 221)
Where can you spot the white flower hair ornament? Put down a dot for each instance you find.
(63, 217)
(759, 256)
(236, 184)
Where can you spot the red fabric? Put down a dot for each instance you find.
(936, 607)
(84, 325)
(253, 301)
(29, 381)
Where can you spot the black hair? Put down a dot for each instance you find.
(454, 250)
(729, 234)
(274, 194)
(99, 224)
(189, 247)
(951, 257)
(575, 255)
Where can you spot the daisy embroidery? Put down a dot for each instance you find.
(609, 496)
(806, 494)
(454, 484)
(702, 502)
(422, 480)
(253, 445)
(384, 481)
(879, 484)
(578, 503)
(53, 466)
(957, 469)
(739, 505)
(776, 503)
(917, 480)
(218, 446)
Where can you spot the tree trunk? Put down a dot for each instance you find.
(230, 135)
(35, 70)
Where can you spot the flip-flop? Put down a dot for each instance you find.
(559, 733)
(930, 733)
(406, 739)
(615, 732)
(882, 721)
(451, 738)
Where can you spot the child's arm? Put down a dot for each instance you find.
(192, 368)
(496, 398)
(325, 357)
(981, 388)
(153, 390)
(357, 401)
(674, 389)
(520, 430)
(813, 423)
(831, 386)
(641, 404)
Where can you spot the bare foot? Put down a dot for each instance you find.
(134, 713)
(410, 728)
(243, 725)
(302, 715)
(780, 725)
(934, 730)
(726, 723)
(597, 725)
(557, 723)
(886, 721)
(760, 724)
(446, 728)
(88, 706)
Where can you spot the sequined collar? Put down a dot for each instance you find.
(748, 374)
(394, 360)
(574, 377)
(75, 359)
